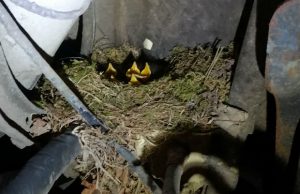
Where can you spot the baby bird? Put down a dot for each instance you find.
(157, 67)
(111, 72)
(138, 72)
(135, 70)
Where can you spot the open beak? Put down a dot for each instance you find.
(111, 72)
(134, 80)
(146, 72)
(133, 70)
(134, 74)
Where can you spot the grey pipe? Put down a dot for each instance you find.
(41, 171)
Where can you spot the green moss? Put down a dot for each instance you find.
(170, 103)
(189, 87)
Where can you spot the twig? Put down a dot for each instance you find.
(213, 63)
(83, 77)
(138, 188)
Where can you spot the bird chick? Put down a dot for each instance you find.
(135, 75)
(133, 80)
(146, 72)
(135, 70)
(111, 72)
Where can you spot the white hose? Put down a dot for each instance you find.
(50, 13)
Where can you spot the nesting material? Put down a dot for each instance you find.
(141, 117)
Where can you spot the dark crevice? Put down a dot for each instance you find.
(242, 28)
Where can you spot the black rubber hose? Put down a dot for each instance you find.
(172, 179)
(41, 171)
(174, 171)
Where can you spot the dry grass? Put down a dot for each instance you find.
(100, 164)
(180, 101)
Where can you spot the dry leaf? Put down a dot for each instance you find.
(125, 177)
(119, 173)
(39, 126)
(90, 188)
(230, 119)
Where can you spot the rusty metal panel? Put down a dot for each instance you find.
(248, 87)
(283, 73)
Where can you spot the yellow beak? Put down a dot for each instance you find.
(135, 74)
(133, 70)
(146, 72)
(134, 80)
(111, 71)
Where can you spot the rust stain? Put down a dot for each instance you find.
(268, 83)
(281, 9)
(285, 131)
(293, 69)
(293, 72)
(280, 151)
(282, 71)
(282, 134)
(290, 56)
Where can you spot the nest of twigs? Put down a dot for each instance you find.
(181, 101)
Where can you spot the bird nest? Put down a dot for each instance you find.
(140, 117)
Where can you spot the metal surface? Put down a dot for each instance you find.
(248, 90)
(165, 23)
(283, 74)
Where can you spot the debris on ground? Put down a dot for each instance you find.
(140, 117)
(89, 188)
